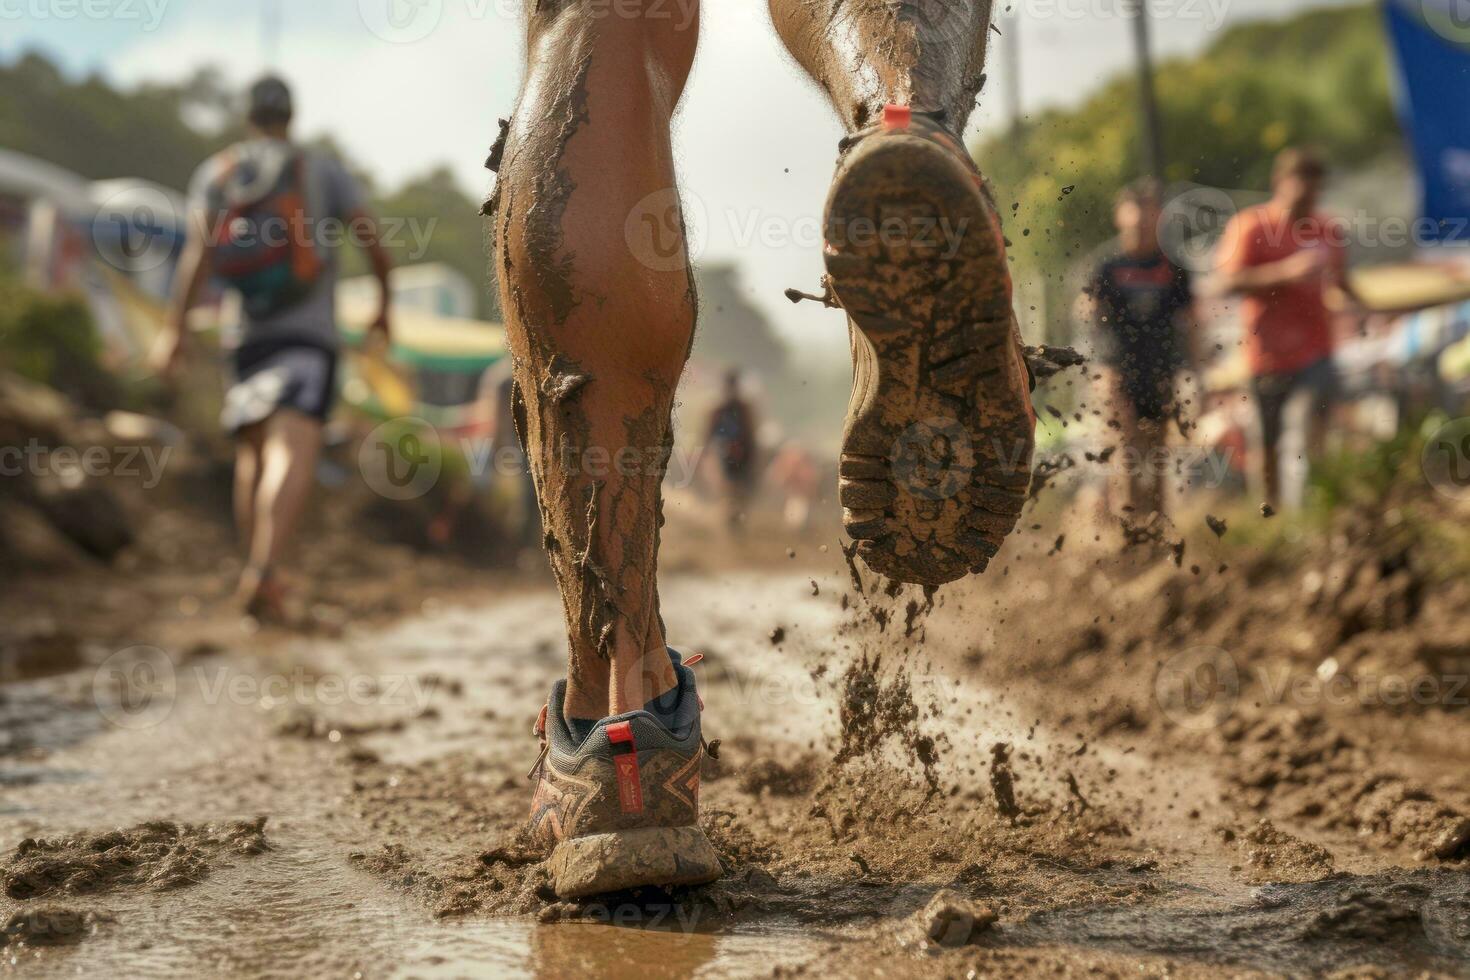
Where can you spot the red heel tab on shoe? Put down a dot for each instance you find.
(625, 761)
(694, 659)
(540, 730)
(897, 117)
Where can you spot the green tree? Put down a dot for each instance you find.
(163, 132)
(457, 238)
(95, 130)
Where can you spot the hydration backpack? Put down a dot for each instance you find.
(264, 247)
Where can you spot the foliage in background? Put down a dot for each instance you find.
(1370, 490)
(1319, 78)
(457, 238)
(1365, 475)
(50, 339)
(163, 132)
(91, 128)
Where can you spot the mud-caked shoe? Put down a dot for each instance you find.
(619, 808)
(938, 443)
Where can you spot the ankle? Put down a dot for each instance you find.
(640, 678)
(583, 703)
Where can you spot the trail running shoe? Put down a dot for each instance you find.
(937, 449)
(620, 808)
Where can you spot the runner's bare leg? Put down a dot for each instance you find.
(926, 54)
(247, 477)
(1148, 479)
(290, 447)
(599, 305)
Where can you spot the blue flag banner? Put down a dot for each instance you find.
(1432, 40)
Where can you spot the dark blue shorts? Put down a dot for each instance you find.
(1273, 391)
(267, 376)
(1150, 393)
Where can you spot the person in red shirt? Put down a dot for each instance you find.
(1285, 259)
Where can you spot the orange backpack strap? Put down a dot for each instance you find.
(306, 262)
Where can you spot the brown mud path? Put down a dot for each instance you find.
(275, 805)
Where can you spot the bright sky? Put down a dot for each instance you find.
(408, 84)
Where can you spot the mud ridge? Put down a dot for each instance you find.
(160, 855)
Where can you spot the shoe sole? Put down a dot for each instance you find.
(601, 863)
(936, 456)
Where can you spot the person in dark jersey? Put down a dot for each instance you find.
(1143, 310)
(732, 436)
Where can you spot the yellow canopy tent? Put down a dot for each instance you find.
(384, 383)
(1401, 287)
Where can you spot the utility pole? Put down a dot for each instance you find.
(270, 32)
(1152, 126)
(1011, 48)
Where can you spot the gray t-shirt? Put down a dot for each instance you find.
(333, 197)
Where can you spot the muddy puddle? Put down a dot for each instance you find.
(297, 911)
(859, 778)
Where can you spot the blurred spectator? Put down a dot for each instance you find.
(732, 436)
(1283, 259)
(794, 475)
(1143, 311)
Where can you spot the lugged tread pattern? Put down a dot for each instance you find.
(939, 438)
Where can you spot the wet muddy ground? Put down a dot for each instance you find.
(1092, 762)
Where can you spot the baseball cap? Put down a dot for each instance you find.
(270, 100)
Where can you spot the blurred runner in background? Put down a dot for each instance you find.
(1283, 259)
(732, 435)
(1143, 310)
(266, 218)
(794, 474)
